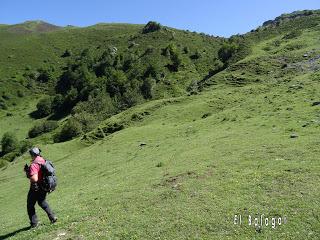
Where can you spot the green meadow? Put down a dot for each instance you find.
(183, 166)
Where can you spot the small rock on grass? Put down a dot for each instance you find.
(315, 104)
(294, 135)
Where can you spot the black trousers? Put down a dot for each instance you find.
(40, 197)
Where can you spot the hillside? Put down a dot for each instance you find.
(183, 163)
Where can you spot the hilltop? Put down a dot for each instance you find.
(230, 127)
(32, 27)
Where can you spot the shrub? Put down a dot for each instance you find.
(131, 98)
(159, 164)
(149, 50)
(292, 34)
(6, 96)
(146, 88)
(193, 87)
(196, 55)
(70, 130)
(71, 99)
(44, 107)
(151, 27)
(3, 163)
(57, 103)
(152, 71)
(3, 105)
(20, 94)
(24, 146)
(176, 61)
(227, 51)
(45, 75)
(116, 83)
(9, 143)
(67, 53)
(99, 103)
(172, 51)
(87, 121)
(41, 128)
(9, 157)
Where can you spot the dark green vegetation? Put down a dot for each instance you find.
(178, 131)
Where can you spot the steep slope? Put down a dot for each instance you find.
(182, 168)
(113, 66)
(203, 159)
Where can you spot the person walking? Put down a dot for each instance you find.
(36, 193)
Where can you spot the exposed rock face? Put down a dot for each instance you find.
(287, 17)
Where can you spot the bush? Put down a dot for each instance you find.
(9, 157)
(41, 128)
(292, 34)
(20, 94)
(227, 51)
(3, 163)
(44, 107)
(19, 149)
(9, 143)
(152, 70)
(57, 103)
(151, 27)
(87, 121)
(67, 53)
(193, 87)
(147, 88)
(176, 61)
(70, 130)
(45, 75)
(24, 146)
(98, 104)
(3, 105)
(131, 98)
(196, 55)
(150, 49)
(172, 51)
(116, 83)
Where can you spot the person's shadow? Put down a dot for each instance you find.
(2, 237)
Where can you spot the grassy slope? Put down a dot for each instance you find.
(230, 162)
(194, 173)
(20, 51)
(23, 52)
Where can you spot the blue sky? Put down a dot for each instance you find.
(216, 17)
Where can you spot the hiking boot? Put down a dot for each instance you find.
(53, 220)
(34, 225)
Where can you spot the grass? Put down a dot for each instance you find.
(236, 161)
(19, 120)
(183, 167)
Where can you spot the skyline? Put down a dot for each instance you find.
(218, 18)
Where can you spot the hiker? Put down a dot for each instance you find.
(36, 193)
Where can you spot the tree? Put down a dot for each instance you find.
(70, 130)
(151, 27)
(9, 143)
(147, 88)
(42, 128)
(45, 75)
(172, 51)
(227, 51)
(44, 107)
(57, 103)
(116, 83)
(176, 61)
